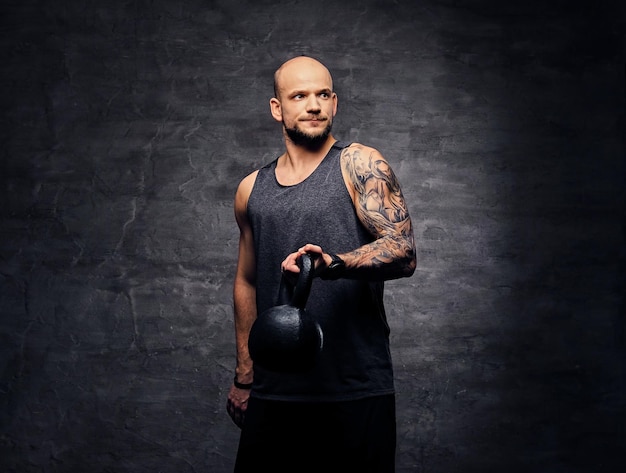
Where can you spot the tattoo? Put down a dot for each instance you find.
(381, 207)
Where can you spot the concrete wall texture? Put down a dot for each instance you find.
(126, 126)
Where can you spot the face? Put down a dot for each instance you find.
(306, 103)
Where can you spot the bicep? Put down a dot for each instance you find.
(376, 192)
(246, 261)
(246, 258)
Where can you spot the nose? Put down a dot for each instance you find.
(313, 105)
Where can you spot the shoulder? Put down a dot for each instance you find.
(359, 146)
(246, 184)
(244, 189)
(358, 159)
(357, 152)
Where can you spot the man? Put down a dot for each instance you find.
(342, 204)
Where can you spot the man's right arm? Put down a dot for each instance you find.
(244, 290)
(244, 302)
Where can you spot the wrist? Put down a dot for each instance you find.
(335, 268)
(239, 385)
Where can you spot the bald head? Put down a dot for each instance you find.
(300, 69)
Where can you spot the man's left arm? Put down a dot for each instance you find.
(382, 209)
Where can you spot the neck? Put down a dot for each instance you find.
(299, 162)
(296, 154)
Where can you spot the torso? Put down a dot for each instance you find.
(319, 209)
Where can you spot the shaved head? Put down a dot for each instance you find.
(301, 66)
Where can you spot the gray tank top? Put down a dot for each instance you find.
(355, 361)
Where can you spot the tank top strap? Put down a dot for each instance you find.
(341, 144)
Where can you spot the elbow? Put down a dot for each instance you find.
(408, 261)
(411, 264)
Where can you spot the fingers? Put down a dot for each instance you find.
(237, 411)
(237, 414)
(290, 263)
(310, 248)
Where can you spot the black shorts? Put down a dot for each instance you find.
(296, 437)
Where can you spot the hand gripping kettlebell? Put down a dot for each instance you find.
(285, 338)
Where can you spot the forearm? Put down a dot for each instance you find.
(245, 314)
(389, 257)
(383, 259)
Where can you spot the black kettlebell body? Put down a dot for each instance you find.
(285, 338)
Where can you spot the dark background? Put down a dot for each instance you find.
(126, 127)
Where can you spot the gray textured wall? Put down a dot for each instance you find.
(126, 127)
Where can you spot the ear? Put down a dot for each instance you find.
(276, 109)
(334, 104)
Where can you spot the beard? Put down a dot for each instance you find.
(310, 142)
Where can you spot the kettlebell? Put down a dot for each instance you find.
(285, 338)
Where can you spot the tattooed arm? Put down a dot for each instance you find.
(381, 208)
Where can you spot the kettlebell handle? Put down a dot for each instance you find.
(295, 292)
(305, 280)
